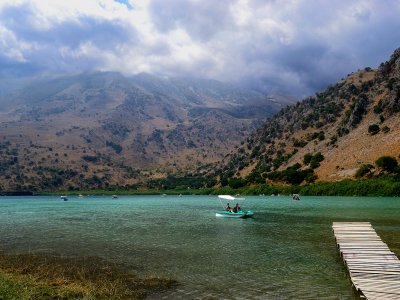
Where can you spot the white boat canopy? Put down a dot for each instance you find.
(229, 197)
(226, 197)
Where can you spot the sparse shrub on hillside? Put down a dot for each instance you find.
(236, 183)
(341, 131)
(387, 163)
(390, 83)
(307, 158)
(90, 158)
(299, 143)
(364, 170)
(316, 135)
(255, 177)
(353, 89)
(292, 175)
(333, 140)
(318, 157)
(117, 148)
(224, 181)
(321, 136)
(305, 125)
(314, 164)
(373, 129)
(379, 107)
(385, 129)
(313, 160)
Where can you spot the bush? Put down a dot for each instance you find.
(373, 129)
(307, 158)
(236, 183)
(299, 143)
(387, 163)
(363, 170)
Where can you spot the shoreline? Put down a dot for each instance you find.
(384, 186)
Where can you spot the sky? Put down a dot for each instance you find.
(294, 47)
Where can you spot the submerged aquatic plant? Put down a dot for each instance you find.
(43, 276)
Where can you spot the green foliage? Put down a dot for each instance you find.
(185, 182)
(313, 160)
(341, 131)
(373, 129)
(364, 170)
(387, 163)
(307, 158)
(90, 158)
(390, 83)
(117, 148)
(224, 181)
(379, 107)
(316, 135)
(387, 186)
(385, 129)
(292, 175)
(299, 143)
(236, 183)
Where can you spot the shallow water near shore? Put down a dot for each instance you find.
(287, 251)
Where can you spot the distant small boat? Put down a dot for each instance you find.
(296, 197)
(114, 197)
(80, 196)
(164, 195)
(64, 198)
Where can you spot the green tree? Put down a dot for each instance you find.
(307, 158)
(363, 170)
(387, 163)
(373, 129)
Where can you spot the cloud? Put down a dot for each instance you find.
(295, 46)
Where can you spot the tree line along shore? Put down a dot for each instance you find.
(388, 186)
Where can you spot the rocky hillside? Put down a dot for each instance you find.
(326, 137)
(104, 129)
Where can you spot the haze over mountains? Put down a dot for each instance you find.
(100, 129)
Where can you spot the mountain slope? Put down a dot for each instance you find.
(103, 129)
(338, 123)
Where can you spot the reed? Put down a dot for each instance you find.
(42, 276)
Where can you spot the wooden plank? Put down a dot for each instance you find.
(380, 295)
(373, 268)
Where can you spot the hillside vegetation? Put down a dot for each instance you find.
(104, 130)
(336, 134)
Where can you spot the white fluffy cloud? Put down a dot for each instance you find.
(294, 46)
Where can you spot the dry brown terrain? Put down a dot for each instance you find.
(103, 129)
(335, 122)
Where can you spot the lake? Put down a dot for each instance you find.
(287, 251)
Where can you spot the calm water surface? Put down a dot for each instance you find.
(286, 252)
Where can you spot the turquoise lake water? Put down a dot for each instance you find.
(287, 251)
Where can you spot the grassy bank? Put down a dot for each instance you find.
(39, 276)
(367, 187)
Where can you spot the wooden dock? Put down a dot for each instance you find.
(374, 269)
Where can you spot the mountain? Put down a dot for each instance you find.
(104, 129)
(326, 137)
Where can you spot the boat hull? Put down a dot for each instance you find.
(239, 214)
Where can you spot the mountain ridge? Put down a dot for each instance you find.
(335, 123)
(107, 129)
